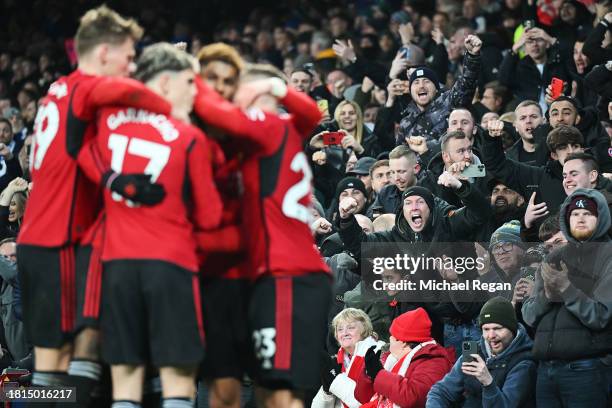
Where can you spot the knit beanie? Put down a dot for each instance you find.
(412, 326)
(421, 192)
(350, 182)
(424, 72)
(581, 202)
(509, 232)
(499, 310)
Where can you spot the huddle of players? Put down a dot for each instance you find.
(160, 233)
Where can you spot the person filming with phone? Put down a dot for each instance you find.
(456, 156)
(498, 371)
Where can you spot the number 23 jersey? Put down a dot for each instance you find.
(277, 200)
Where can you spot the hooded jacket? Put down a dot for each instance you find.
(445, 223)
(517, 389)
(580, 324)
(431, 122)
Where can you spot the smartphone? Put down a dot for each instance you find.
(556, 86)
(474, 170)
(467, 349)
(406, 53)
(528, 24)
(323, 106)
(333, 138)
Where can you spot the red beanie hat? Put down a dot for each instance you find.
(413, 326)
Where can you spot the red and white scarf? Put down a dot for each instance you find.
(343, 386)
(399, 367)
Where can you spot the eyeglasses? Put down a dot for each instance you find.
(502, 248)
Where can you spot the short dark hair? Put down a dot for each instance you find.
(304, 70)
(379, 163)
(455, 134)
(499, 91)
(8, 122)
(563, 135)
(549, 227)
(588, 161)
(8, 240)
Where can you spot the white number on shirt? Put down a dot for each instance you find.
(158, 155)
(265, 346)
(48, 116)
(291, 206)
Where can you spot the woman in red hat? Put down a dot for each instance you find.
(414, 363)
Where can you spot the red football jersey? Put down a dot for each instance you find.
(176, 156)
(277, 182)
(63, 203)
(221, 251)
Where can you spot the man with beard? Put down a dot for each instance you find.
(502, 370)
(456, 153)
(566, 110)
(571, 305)
(506, 205)
(543, 182)
(580, 170)
(426, 113)
(404, 167)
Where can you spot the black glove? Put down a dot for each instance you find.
(330, 368)
(135, 187)
(372, 362)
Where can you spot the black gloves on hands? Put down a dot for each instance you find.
(135, 187)
(372, 362)
(330, 368)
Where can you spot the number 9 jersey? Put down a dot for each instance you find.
(177, 157)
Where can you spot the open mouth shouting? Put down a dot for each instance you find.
(501, 202)
(416, 221)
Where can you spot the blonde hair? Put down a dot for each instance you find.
(104, 25)
(354, 315)
(221, 52)
(359, 126)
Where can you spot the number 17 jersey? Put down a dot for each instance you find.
(176, 156)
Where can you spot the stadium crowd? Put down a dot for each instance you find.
(205, 227)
